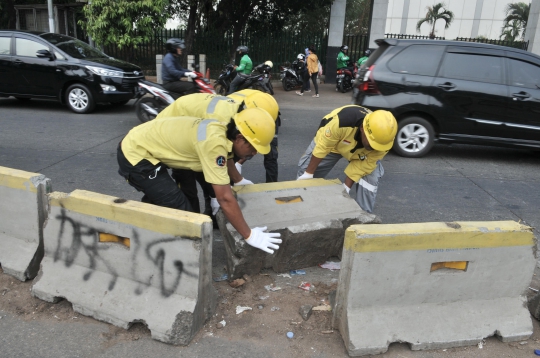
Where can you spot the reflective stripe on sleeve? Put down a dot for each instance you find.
(201, 130)
(213, 103)
(367, 185)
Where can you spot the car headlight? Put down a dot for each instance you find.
(108, 88)
(105, 72)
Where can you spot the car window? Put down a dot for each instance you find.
(25, 47)
(376, 54)
(73, 47)
(472, 67)
(524, 74)
(5, 43)
(59, 56)
(417, 60)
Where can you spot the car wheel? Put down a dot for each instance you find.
(79, 99)
(120, 103)
(342, 86)
(24, 99)
(143, 115)
(220, 89)
(415, 137)
(286, 84)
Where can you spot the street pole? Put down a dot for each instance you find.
(51, 16)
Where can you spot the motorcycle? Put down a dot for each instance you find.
(148, 107)
(289, 78)
(223, 82)
(265, 70)
(254, 81)
(345, 79)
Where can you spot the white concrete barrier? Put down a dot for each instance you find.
(434, 285)
(22, 213)
(124, 261)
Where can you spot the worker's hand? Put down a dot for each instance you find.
(264, 240)
(347, 189)
(215, 206)
(244, 181)
(191, 74)
(238, 167)
(305, 176)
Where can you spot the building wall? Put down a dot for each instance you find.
(472, 18)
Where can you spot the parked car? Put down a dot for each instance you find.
(46, 65)
(453, 92)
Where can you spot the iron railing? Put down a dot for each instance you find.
(522, 45)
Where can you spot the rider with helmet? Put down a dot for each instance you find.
(343, 60)
(172, 71)
(299, 66)
(243, 70)
(201, 145)
(359, 135)
(362, 60)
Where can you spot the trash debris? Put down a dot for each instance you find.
(327, 332)
(273, 309)
(537, 352)
(240, 309)
(523, 343)
(272, 288)
(306, 286)
(331, 265)
(286, 275)
(260, 307)
(290, 335)
(533, 289)
(305, 311)
(221, 324)
(481, 344)
(263, 297)
(221, 278)
(322, 308)
(247, 278)
(237, 283)
(297, 272)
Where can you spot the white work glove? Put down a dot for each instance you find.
(238, 167)
(347, 189)
(244, 181)
(215, 205)
(264, 240)
(191, 74)
(305, 176)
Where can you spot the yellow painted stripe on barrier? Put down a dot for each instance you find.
(293, 184)
(437, 236)
(154, 218)
(17, 179)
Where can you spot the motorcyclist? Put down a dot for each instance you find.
(362, 60)
(343, 60)
(171, 70)
(243, 70)
(299, 66)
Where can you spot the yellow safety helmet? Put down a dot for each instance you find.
(380, 128)
(257, 99)
(256, 125)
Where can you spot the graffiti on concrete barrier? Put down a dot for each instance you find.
(78, 242)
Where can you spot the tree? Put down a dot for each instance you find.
(124, 23)
(518, 12)
(511, 31)
(434, 13)
(357, 17)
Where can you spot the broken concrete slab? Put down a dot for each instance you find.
(311, 215)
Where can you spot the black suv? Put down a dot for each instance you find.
(46, 65)
(453, 92)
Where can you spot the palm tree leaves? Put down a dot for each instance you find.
(434, 13)
(517, 14)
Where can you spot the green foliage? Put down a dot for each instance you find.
(357, 17)
(434, 13)
(517, 15)
(511, 31)
(124, 23)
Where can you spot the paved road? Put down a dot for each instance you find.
(78, 152)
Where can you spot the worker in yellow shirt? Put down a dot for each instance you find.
(221, 108)
(359, 135)
(202, 145)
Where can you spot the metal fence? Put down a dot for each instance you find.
(522, 45)
(403, 36)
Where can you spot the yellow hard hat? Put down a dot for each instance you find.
(380, 128)
(258, 99)
(256, 125)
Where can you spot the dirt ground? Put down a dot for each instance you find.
(273, 314)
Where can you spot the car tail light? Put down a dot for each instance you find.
(339, 72)
(368, 84)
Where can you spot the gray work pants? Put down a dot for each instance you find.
(366, 188)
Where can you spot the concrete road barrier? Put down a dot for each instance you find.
(124, 261)
(311, 216)
(434, 285)
(23, 209)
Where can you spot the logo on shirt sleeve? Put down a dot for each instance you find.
(328, 133)
(221, 161)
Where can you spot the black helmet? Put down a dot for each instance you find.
(344, 48)
(242, 49)
(173, 43)
(367, 52)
